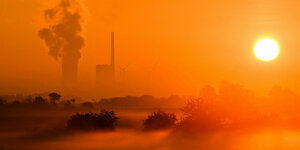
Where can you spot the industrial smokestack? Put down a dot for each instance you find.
(105, 74)
(64, 40)
(112, 59)
(112, 63)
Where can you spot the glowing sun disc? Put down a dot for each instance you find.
(266, 49)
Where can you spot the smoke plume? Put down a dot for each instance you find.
(63, 36)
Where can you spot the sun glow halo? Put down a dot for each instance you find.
(266, 49)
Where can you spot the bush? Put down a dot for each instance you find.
(105, 120)
(40, 101)
(2, 102)
(159, 120)
(200, 115)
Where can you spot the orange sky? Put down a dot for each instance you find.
(171, 46)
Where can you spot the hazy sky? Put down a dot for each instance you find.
(171, 46)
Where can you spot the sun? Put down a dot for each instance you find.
(266, 49)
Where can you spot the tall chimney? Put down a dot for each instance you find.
(112, 59)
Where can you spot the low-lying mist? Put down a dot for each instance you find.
(232, 118)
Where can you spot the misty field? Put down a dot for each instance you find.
(27, 129)
(46, 132)
(35, 126)
(145, 74)
(232, 118)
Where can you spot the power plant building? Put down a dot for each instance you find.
(105, 74)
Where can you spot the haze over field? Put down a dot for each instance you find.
(171, 47)
(149, 74)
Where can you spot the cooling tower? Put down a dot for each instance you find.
(69, 74)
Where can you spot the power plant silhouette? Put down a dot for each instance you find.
(105, 74)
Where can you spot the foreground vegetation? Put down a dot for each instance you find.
(233, 107)
(105, 120)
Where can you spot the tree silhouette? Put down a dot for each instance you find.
(159, 120)
(54, 97)
(200, 114)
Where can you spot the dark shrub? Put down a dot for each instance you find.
(2, 102)
(40, 101)
(159, 120)
(16, 103)
(105, 120)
